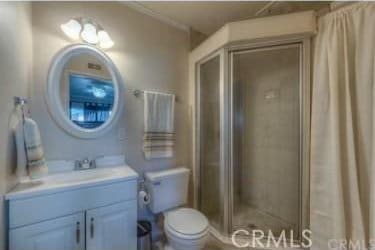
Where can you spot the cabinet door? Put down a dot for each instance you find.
(65, 233)
(112, 227)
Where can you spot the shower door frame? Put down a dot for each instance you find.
(303, 46)
(226, 129)
(224, 134)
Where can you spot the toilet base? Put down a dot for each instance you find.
(168, 247)
(176, 243)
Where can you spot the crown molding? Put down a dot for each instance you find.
(138, 6)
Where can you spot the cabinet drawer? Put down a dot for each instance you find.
(35, 209)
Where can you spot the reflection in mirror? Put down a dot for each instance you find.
(87, 91)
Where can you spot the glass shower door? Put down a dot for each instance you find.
(266, 139)
(211, 187)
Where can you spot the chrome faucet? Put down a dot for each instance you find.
(84, 164)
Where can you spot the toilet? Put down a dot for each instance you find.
(185, 228)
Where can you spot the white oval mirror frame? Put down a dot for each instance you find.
(54, 104)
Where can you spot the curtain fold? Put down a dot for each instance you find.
(343, 130)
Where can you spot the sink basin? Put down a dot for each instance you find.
(79, 176)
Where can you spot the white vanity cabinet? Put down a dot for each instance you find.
(103, 227)
(91, 216)
(65, 233)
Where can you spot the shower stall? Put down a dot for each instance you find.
(251, 137)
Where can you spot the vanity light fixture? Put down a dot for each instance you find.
(88, 31)
(72, 28)
(104, 40)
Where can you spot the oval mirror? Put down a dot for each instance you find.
(84, 91)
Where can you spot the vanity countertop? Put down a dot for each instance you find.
(71, 180)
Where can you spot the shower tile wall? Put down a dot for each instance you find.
(267, 139)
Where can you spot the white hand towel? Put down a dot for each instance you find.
(34, 151)
(21, 153)
(159, 112)
(158, 141)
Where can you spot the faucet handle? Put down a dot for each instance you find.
(93, 161)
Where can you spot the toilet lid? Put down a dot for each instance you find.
(187, 221)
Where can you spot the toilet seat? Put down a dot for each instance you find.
(186, 223)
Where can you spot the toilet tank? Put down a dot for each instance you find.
(168, 188)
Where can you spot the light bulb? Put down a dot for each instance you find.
(72, 28)
(89, 33)
(105, 40)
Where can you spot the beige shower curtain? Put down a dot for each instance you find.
(343, 130)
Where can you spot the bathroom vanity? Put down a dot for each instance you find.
(77, 210)
(94, 209)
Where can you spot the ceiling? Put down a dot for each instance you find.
(207, 17)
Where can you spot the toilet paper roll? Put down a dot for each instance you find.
(143, 198)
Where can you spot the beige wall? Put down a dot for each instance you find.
(196, 38)
(149, 55)
(15, 72)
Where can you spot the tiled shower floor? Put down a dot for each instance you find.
(249, 218)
